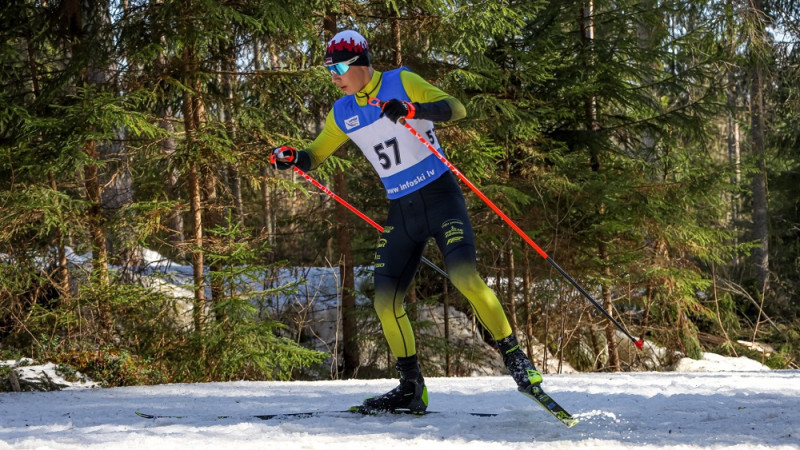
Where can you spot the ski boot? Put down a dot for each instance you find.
(410, 396)
(522, 370)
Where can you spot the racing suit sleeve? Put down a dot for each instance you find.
(431, 103)
(327, 142)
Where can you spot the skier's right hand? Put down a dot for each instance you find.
(283, 157)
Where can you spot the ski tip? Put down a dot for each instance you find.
(638, 343)
(571, 423)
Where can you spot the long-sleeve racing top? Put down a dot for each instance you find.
(402, 162)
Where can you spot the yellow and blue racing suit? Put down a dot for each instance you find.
(425, 199)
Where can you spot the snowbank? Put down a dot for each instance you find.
(712, 362)
(27, 375)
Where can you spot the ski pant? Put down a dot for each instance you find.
(437, 210)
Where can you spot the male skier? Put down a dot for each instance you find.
(425, 201)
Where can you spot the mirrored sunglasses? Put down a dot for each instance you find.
(342, 67)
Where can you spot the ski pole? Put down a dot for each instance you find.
(352, 208)
(637, 342)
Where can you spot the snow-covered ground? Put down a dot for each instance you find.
(715, 403)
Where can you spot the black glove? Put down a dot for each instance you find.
(398, 109)
(283, 157)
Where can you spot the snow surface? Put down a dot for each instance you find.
(714, 403)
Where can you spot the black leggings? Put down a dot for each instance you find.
(437, 210)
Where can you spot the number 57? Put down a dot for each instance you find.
(383, 157)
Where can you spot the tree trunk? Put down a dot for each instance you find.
(174, 221)
(266, 206)
(214, 210)
(191, 123)
(350, 351)
(511, 293)
(115, 179)
(397, 42)
(81, 22)
(733, 134)
(611, 339)
(267, 223)
(602, 251)
(759, 181)
(117, 194)
(198, 312)
(527, 297)
(95, 218)
(212, 219)
(734, 154)
(226, 112)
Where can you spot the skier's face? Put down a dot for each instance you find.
(353, 80)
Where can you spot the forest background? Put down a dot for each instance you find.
(650, 147)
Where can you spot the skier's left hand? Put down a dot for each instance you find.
(398, 109)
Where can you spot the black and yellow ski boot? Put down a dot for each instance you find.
(518, 364)
(411, 396)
